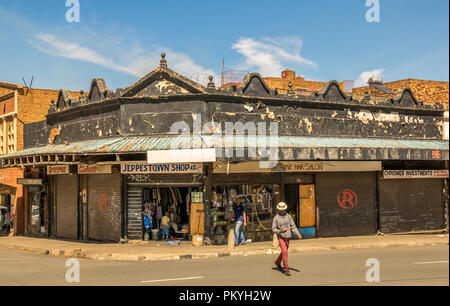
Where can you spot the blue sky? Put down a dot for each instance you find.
(120, 41)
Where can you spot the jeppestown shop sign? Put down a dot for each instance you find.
(161, 168)
(414, 174)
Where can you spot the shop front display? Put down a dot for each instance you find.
(259, 201)
(411, 200)
(155, 191)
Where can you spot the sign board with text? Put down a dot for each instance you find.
(94, 169)
(414, 174)
(58, 170)
(180, 168)
(299, 166)
(30, 182)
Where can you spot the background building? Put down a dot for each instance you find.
(19, 105)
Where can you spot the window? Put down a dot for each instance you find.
(2, 139)
(11, 138)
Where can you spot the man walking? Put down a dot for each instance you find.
(240, 218)
(283, 226)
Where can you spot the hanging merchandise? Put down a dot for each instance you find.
(158, 215)
(188, 201)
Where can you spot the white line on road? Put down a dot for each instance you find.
(172, 279)
(431, 262)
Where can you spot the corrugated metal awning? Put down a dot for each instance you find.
(142, 144)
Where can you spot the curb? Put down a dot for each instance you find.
(78, 253)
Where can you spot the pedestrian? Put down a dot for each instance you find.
(148, 226)
(165, 222)
(7, 222)
(240, 219)
(283, 226)
(2, 218)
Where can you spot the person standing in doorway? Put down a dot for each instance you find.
(284, 226)
(7, 222)
(240, 219)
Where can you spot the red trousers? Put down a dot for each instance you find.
(284, 244)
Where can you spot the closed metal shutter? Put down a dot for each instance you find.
(67, 206)
(411, 205)
(134, 212)
(346, 204)
(104, 207)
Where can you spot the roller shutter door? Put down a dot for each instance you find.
(347, 205)
(67, 206)
(104, 207)
(134, 212)
(411, 205)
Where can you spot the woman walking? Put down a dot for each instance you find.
(283, 226)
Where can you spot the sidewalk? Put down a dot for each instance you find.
(154, 251)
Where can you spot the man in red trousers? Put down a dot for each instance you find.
(284, 226)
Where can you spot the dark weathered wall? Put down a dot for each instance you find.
(411, 205)
(148, 116)
(294, 120)
(35, 134)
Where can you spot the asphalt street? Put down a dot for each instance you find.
(398, 266)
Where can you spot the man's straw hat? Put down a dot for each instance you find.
(282, 206)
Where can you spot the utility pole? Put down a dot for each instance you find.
(221, 74)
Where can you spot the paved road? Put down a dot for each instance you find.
(398, 266)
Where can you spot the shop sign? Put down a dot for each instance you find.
(181, 156)
(60, 169)
(161, 168)
(413, 174)
(299, 166)
(94, 169)
(30, 182)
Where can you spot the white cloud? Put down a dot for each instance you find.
(127, 57)
(366, 75)
(268, 55)
(51, 45)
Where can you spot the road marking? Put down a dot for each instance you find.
(172, 279)
(431, 262)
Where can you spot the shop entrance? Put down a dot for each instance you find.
(5, 214)
(173, 202)
(36, 211)
(301, 201)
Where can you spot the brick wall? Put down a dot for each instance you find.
(33, 107)
(298, 83)
(424, 90)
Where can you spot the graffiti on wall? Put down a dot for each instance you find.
(108, 203)
(347, 199)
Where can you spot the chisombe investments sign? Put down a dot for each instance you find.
(411, 174)
(161, 168)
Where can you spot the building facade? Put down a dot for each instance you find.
(104, 162)
(19, 106)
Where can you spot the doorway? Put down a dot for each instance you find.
(301, 202)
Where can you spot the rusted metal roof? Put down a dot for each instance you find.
(142, 144)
